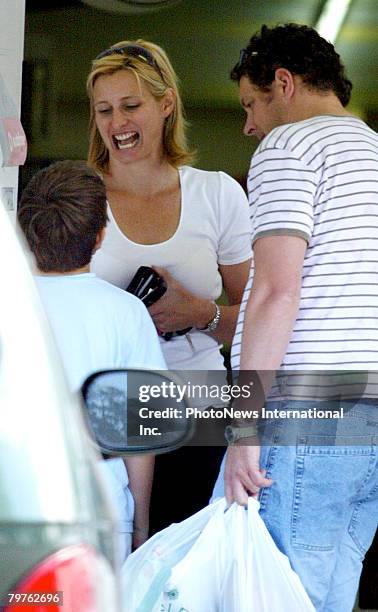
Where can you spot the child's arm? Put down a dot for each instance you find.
(140, 469)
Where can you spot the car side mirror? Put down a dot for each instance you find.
(135, 411)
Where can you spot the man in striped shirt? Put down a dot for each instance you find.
(311, 302)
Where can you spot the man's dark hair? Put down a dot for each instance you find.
(299, 49)
(61, 211)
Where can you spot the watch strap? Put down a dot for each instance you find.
(233, 434)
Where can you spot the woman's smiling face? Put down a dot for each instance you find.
(128, 117)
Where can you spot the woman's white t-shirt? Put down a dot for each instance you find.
(213, 230)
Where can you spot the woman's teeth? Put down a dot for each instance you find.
(126, 140)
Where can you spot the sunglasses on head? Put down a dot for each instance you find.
(245, 55)
(133, 51)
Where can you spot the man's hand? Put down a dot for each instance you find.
(243, 476)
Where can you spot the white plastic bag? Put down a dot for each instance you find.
(218, 560)
(198, 583)
(147, 571)
(234, 566)
(272, 583)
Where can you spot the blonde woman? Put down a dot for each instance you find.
(191, 225)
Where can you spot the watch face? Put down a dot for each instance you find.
(229, 434)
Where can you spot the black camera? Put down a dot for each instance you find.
(149, 287)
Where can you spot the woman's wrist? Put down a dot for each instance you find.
(207, 314)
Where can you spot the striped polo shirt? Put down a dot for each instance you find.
(318, 179)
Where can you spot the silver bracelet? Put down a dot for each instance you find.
(213, 324)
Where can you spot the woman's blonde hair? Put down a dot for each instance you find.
(159, 76)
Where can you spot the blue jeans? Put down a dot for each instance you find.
(322, 509)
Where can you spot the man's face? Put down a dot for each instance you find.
(265, 110)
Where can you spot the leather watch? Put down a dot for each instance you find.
(233, 434)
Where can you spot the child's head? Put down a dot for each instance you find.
(62, 213)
